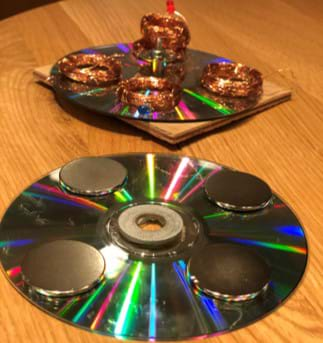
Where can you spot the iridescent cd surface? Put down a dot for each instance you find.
(196, 104)
(146, 293)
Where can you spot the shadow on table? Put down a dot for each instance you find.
(112, 124)
(108, 123)
(12, 7)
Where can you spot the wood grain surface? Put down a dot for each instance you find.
(284, 145)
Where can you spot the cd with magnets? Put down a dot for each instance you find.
(152, 238)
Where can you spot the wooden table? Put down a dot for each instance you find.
(284, 146)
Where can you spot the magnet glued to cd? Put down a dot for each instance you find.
(229, 272)
(237, 191)
(92, 176)
(63, 268)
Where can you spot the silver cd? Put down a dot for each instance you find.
(196, 103)
(147, 291)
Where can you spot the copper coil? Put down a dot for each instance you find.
(82, 89)
(163, 95)
(232, 79)
(91, 69)
(142, 50)
(172, 30)
(174, 72)
(236, 104)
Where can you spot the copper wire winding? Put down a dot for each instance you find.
(171, 30)
(236, 104)
(142, 51)
(163, 94)
(232, 79)
(174, 72)
(83, 89)
(91, 69)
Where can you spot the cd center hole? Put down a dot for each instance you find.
(151, 222)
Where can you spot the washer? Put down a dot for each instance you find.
(133, 218)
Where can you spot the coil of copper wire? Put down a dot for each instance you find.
(174, 72)
(232, 79)
(91, 69)
(83, 89)
(235, 104)
(143, 51)
(157, 93)
(171, 30)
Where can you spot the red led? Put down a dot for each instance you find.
(170, 6)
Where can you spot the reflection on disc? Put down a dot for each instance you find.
(146, 292)
(196, 104)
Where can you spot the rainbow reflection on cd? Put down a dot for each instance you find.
(149, 295)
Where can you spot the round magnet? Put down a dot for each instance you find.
(237, 191)
(63, 268)
(92, 176)
(229, 272)
(150, 225)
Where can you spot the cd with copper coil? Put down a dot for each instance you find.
(149, 99)
(157, 258)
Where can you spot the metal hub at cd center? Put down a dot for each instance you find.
(150, 225)
(152, 229)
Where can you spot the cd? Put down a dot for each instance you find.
(157, 233)
(196, 103)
